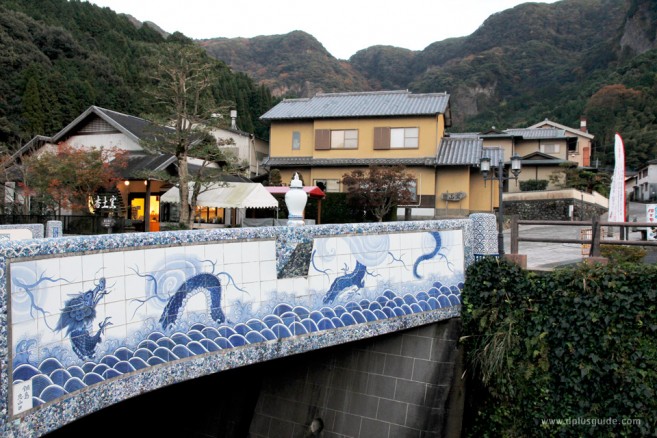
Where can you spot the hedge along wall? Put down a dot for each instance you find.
(90, 321)
(573, 346)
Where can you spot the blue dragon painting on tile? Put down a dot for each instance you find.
(84, 313)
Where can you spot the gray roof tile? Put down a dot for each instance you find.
(339, 162)
(537, 133)
(459, 151)
(363, 104)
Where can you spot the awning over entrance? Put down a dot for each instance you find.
(313, 191)
(228, 195)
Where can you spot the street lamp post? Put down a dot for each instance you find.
(498, 174)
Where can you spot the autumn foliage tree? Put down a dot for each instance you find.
(64, 178)
(379, 189)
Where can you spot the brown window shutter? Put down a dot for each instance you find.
(381, 138)
(322, 139)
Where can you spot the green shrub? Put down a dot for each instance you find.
(533, 185)
(578, 343)
(623, 254)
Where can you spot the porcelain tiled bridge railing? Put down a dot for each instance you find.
(90, 321)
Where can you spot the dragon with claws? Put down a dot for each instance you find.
(77, 318)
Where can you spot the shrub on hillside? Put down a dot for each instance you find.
(532, 185)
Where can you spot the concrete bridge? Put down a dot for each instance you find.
(88, 322)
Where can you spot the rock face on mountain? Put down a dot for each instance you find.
(640, 28)
(295, 64)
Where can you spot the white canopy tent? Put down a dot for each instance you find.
(228, 195)
(234, 196)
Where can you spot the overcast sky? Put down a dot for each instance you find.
(342, 26)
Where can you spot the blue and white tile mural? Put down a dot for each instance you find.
(81, 319)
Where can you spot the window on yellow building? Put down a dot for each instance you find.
(328, 185)
(404, 138)
(344, 139)
(550, 148)
(296, 140)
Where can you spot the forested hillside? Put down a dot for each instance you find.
(59, 57)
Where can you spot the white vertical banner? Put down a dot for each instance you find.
(651, 216)
(617, 192)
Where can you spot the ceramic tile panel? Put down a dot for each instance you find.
(152, 309)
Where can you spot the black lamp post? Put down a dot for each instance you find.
(498, 174)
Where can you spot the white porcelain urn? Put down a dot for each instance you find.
(296, 200)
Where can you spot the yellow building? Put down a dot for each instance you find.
(329, 135)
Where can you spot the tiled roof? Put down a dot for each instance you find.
(143, 162)
(495, 154)
(537, 133)
(133, 127)
(137, 126)
(341, 162)
(364, 104)
(459, 151)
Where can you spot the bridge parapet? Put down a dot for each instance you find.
(90, 321)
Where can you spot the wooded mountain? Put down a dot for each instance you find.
(535, 61)
(59, 57)
(595, 58)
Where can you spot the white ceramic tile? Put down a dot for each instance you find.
(49, 298)
(136, 312)
(116, 311)
(92, 267)
(174, 254)
(250, 251)
(135, 262)
(300, 286)
(215, 252)
(24, 330)
(395, 274)
(250, 272)
(395, 241)
(285, 285)
(235, 271)
(267, 250)
(267, 290)
(47, 268)
(319, 284)
(46, 327)
(380, 275)
(115, 332)
(194, 252)
(268, 270)
(135, 286)
(70, 268)
(116, 288)
(114, 263)
(342, 245)
(154, 259)
(232, 253)
(252, 293)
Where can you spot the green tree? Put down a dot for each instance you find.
(379, 188)
(64, 178)
(183, 82)
(33, 114)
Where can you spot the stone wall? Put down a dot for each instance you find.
(552, 209)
